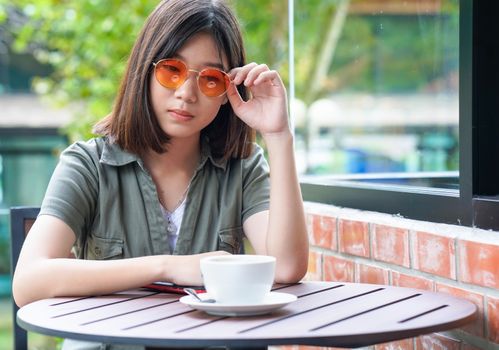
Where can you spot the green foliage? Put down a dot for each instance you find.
(265, 31)
(376, 53)
(87, 42)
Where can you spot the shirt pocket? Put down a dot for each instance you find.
(99, 248)
(230, 240)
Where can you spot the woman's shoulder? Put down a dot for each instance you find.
(85, 150)
(101, 150)
(255, 160)
(257, 155)
(91, 146)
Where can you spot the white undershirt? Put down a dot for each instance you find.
(174, 218)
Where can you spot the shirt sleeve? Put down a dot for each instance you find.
(256, 183)
(73, 188)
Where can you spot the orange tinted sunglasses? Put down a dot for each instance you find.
(172, 73)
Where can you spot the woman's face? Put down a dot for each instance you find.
(184, 112)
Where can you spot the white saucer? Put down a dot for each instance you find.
(273, 301)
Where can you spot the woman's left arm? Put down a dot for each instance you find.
(286, 233)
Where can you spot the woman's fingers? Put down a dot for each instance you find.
(234, 97)
(238, 75)
(253, 74)
(269, 76)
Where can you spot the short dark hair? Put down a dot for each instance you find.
(132, 124)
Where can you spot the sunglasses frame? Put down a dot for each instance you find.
(198, 73)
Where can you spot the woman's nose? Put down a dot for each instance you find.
(188, 90)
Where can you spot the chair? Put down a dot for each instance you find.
(21, 220)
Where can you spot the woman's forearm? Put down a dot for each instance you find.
(49, 277)
(46, 278)
(287, 237)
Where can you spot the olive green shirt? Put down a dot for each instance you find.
(109, 199)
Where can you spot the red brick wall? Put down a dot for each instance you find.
(356, 246)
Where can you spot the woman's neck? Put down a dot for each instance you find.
(181, 156)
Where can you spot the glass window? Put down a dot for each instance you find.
(376, 87)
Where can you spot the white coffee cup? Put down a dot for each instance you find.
(238, 279)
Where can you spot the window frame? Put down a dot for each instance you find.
(476, 202)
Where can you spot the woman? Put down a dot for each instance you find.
(175, 174)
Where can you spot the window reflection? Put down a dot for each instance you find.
(376, 86)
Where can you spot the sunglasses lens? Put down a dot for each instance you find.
(213, 82)
(171, 73)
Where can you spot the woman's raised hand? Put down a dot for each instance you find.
(266, 111)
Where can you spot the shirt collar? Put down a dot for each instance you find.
(206, 154)
(113, 154)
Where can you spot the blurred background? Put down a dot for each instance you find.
(373, 87)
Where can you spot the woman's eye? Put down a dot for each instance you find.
(172, 69)
(212, 79)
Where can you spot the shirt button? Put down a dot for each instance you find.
(97, 251)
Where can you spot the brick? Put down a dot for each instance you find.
(391, 244)
(324, 232)
(371, 274)
(417, 282)
(435, 254)
(406, 344)
(314, 271)
(338, 269)
(477, 326)
(479, 263)
(353, 237)
(493, 319)
(436, 342)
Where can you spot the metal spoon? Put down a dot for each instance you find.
(193, 293)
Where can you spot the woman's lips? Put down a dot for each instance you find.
(180, 114)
